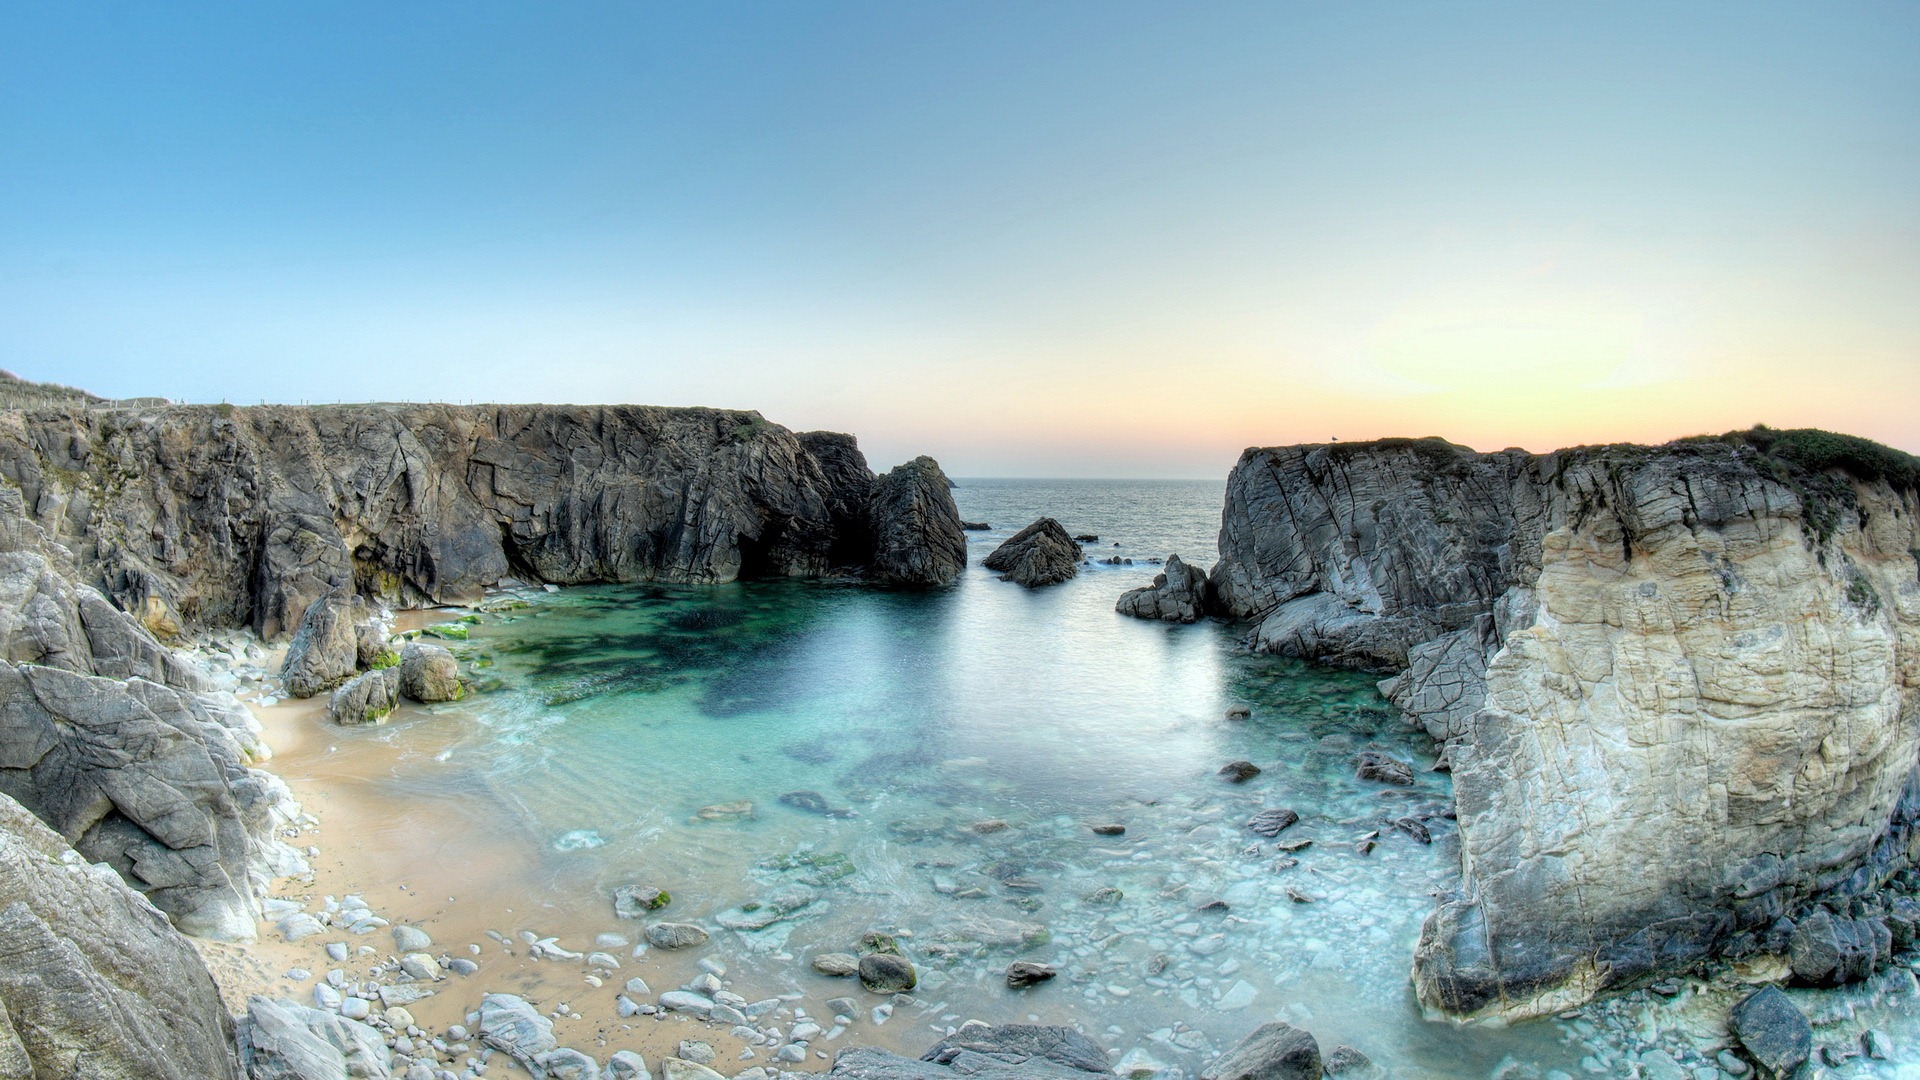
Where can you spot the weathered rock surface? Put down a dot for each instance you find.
(1773, 1030)
(917, 539)
(284, 1040)
(1005, 1052)
(1179, 594)
(1677, 685)
(93, 980)
(325, 651)
(1040, 554)
(368, 698)
(429, 673)
(1275, 1051)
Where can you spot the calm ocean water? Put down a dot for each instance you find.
(626, 715)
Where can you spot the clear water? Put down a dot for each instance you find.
(624, 711)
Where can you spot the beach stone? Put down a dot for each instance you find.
(356, 1008)
(567, 1063)
(1773, 1030)
(634, 901)
(673, 935)
(1038, 555)
(627, 1065)
(460, 965)
(1275, 1051)
(1376, 766)
(1272, 822)
(836, 964)
(1345, 1059)
(429, 673)
(1237, 997)
(1105, 896)
(1875, 1044)
(282, 1040)
(987, 930)
(421, 966)
(681, 1069)
(886, 973)
(409, 939)
(1179, 594)
(989, 826)
(684, 1001)
(299, 926)
(1239, 712)
(1239, 772)
(697, 1052)
(1025, 973)
(512, 1026)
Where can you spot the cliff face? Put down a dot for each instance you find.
(1678, 686)
(245, 516)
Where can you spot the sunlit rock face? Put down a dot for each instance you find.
(1678, 686)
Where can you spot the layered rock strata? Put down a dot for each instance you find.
(1678, 686)
(94, 982)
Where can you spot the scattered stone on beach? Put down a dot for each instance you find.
(686, 1001)
(1374, 765)
(1773, 1030)
(1272, 822)
(411, 939)
(887, 973)
(839, 965)
(429, 673)
(627, 1065)
(1109, 829)
(1239, 772)
(813, 802)
(675, 935)
(515, 1028)
(1025, 973)
(726, 811)
(700, 1053)
(1298, 843)
(998, 933)
(1275, 1051)
(634, 901)
(1038, 555)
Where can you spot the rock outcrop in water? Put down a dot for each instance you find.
(917, 539)
(1179, 594)
(1678, 686)
(1040, 554)
(93, 980)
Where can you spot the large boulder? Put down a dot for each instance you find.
(1040, 554)
(1178, 595)
(1275, 1051)
(512, 1026)
(1773, 1031)
(325, 651)
(917, 539)
(429, 673)
(368, 698)
(94, 981)
(1828, 950)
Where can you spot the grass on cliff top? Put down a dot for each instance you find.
(1811, 450)
(19, 393)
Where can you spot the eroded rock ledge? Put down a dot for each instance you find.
(1678, 686)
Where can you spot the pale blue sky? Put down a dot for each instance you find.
(1061, 238)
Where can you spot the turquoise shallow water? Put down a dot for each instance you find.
(913, 717)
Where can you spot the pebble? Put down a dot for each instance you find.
(337, 951)
(356, 1008)
(411, 939)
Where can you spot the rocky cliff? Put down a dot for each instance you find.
(1678, 686)
(243, 516)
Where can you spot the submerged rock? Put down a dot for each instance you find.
(634, 901)
(1376, 766)
(1025, 973)
(672, 935)
(837, 965)
(813, 802)
(1179, 594)
(1272, 822)
(1275, 1051)
(1345, 1059)
(1239, 772)
(1040, 554)
(887, 973)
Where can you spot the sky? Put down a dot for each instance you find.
(1042, 239)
